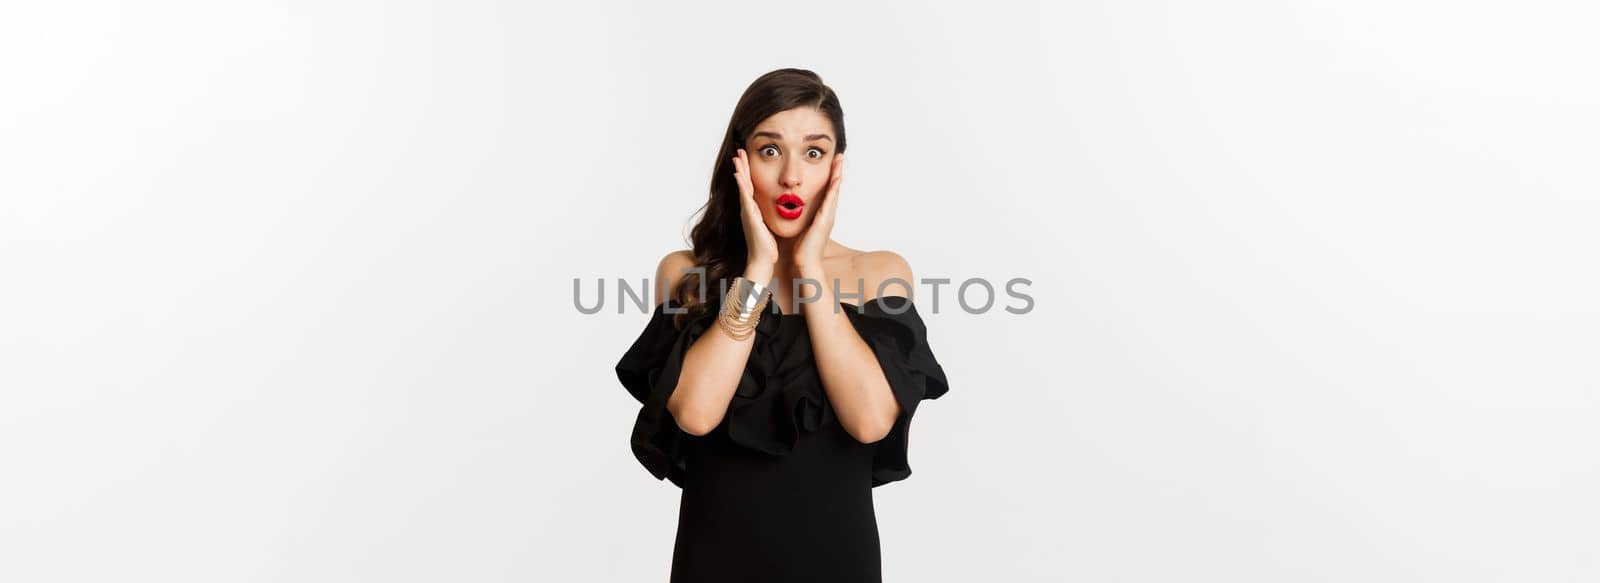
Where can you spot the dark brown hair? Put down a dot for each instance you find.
(718, 239)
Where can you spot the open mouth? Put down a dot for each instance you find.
(790, 206)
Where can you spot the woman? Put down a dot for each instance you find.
(773, 404)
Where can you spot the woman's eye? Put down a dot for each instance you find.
(773, 151)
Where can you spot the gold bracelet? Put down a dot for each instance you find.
(733, 321)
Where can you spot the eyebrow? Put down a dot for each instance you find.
(779, 137)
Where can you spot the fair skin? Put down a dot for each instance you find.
(792, 152)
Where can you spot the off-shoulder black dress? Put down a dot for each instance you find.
(778, 491)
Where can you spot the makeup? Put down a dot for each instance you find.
(790, 206)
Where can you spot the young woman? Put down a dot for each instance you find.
(773, 403)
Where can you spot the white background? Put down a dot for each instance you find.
(287, 286)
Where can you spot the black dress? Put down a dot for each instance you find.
(778, 491)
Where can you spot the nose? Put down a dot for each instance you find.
(791, 176)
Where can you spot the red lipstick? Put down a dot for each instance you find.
(790, 206)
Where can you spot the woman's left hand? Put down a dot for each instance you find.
(808, 252)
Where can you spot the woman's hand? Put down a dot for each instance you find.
(808, 252)
(761, 246)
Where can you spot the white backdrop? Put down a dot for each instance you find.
(286, 287)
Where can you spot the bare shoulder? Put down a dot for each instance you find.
(883, 271)
(670, 270)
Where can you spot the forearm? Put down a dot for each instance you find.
(711, 371)
(851, 375)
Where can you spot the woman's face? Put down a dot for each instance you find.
(791, 157)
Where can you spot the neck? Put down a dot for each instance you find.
(785, 273)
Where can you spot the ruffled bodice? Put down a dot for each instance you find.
(780, 398)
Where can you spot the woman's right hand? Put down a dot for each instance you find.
(758, 239)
